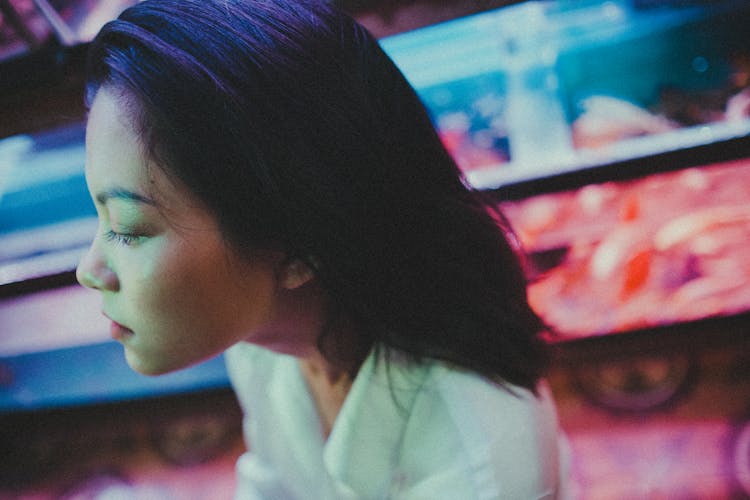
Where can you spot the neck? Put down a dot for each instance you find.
(333, 357)
(329, 385)
(321, 369)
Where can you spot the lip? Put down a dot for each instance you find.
(118, 331)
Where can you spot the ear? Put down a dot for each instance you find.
(294, 273)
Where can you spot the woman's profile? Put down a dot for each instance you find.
(268, 185)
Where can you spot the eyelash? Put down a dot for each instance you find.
(121, 238)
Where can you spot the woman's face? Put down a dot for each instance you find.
(176, 294)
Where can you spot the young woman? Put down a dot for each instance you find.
(268, 184)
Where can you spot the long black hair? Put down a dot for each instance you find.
(298, 132)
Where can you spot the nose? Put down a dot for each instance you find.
(94, 272)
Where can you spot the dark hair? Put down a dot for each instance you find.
(291, 124)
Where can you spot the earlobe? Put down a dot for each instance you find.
(295, 273)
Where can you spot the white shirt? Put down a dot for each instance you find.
(404, 432)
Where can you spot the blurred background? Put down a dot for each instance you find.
(614, 135)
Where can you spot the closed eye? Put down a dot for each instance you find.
(122, 238)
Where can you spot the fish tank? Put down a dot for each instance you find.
(638, 245)
(540, 87)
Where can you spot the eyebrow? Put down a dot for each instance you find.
(123, 194)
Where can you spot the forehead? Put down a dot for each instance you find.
(116, 160)
(113, 149)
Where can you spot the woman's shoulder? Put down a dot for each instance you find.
(464, 391)
(465, 395)
(500, 440)
(483, 409)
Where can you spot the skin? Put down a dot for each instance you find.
(176, 293)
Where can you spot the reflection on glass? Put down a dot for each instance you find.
(469, 115)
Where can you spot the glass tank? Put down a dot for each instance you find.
(537, 88)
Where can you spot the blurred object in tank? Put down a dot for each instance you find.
(662, 249)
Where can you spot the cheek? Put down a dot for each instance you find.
(242, 300)
(156, 287)
(176, 324)
(175, 292)
(204, 296)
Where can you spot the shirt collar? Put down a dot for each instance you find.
(365, 441)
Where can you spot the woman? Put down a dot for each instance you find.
(267, 183)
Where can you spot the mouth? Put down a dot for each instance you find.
(117, 331)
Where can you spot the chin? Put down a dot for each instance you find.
(153, 368)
